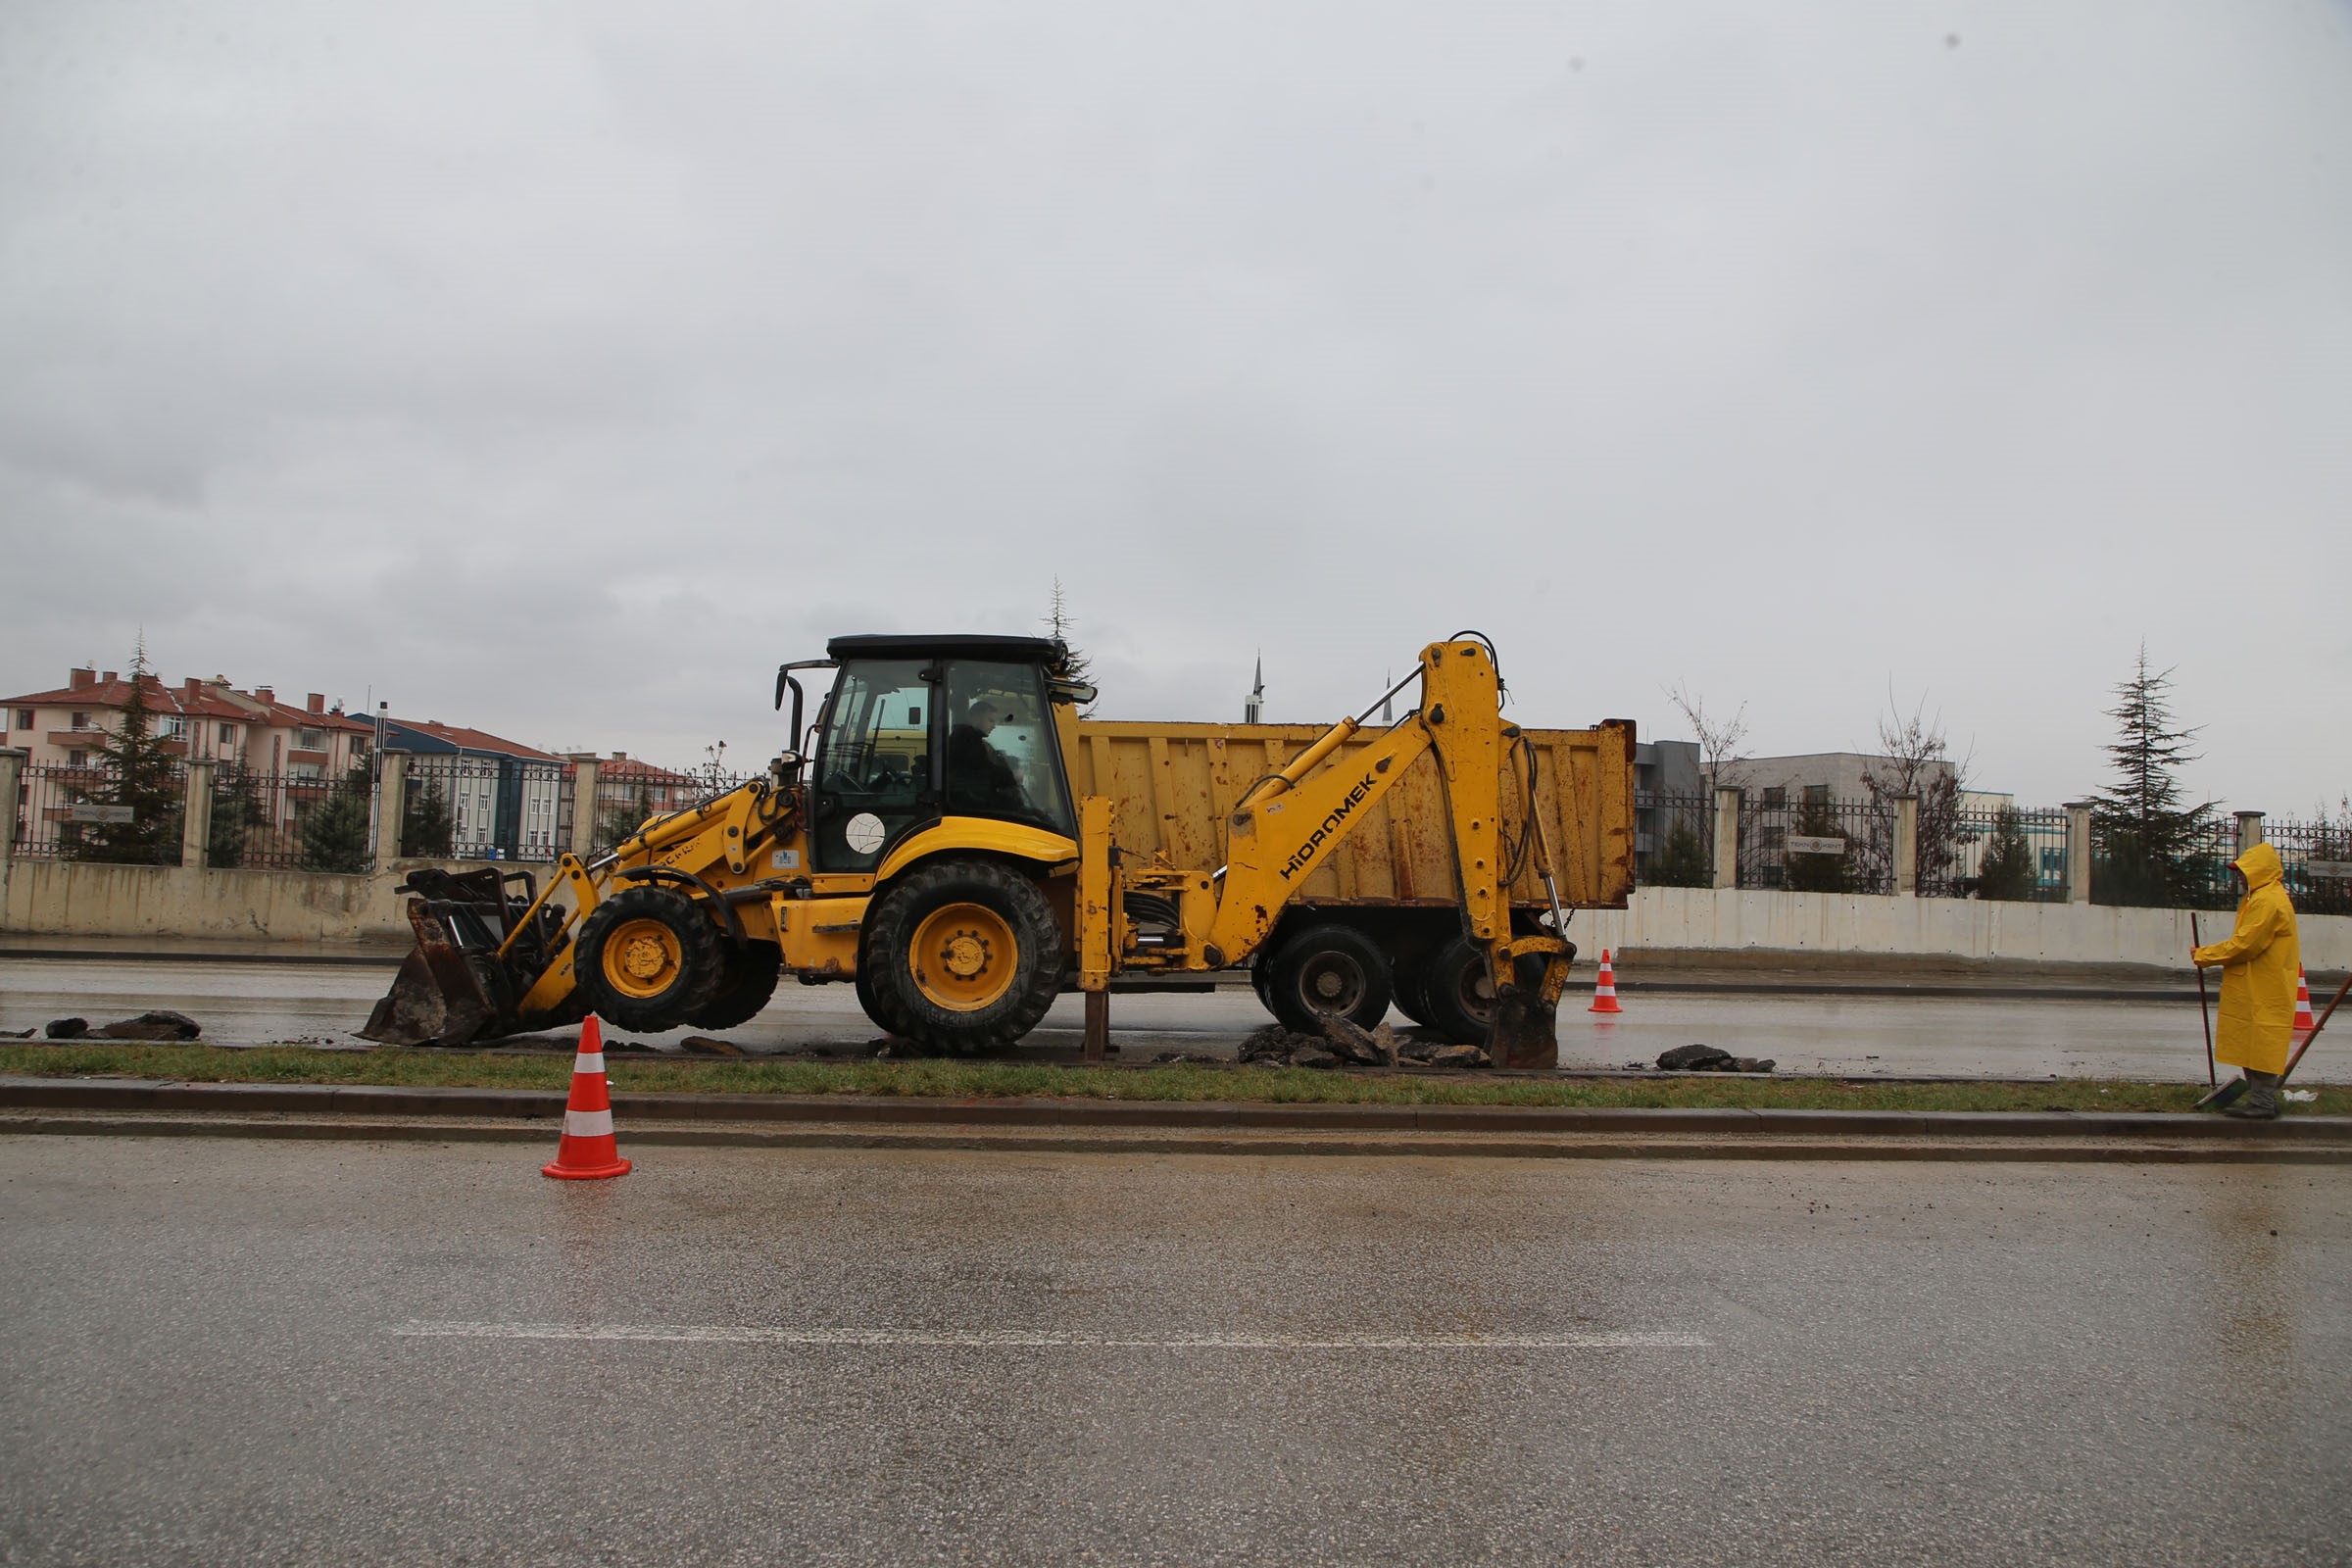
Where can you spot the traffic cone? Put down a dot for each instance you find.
(2305, 1026)
(587, 1151)
(1605, 989)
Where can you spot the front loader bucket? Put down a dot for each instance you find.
(437, 997)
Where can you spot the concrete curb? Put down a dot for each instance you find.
(173, 1108)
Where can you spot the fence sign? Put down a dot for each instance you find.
(103, 813)
(1801, 844)
(2329, 869)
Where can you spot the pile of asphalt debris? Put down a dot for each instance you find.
(161, 1024)
(1707, 1058)
(1345, 1043)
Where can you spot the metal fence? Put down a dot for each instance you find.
(2010, 854)
(483, 809)
(1811, 844)
(289, 821)
(84, 813)
(2318, 860)
(1674, 840)
(633, 793)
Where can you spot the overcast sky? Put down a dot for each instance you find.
(560, 369)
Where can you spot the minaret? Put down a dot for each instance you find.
(1257, 693)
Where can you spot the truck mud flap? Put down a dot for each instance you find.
(437, 997)
(1526, 1029)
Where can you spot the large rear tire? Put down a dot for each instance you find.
(1328, 970)
(647, 959)
(966, 952)
(747, 979)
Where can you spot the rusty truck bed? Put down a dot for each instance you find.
(1174, 785)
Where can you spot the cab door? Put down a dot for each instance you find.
(1001, 755)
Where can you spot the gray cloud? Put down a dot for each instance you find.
(559, 370)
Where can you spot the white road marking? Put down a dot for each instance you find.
(1022, 1339)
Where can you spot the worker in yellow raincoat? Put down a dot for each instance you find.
(2258, 964)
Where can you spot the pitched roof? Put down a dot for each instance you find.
(114, 693)
(475, 739)
(208, 700)
(634, 770)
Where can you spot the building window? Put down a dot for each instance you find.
(81, 721)
(1776, 796)
(228, 734)
(78, 759)
(1817, 794)
(171, 727)
(310, 739)
(23, 718)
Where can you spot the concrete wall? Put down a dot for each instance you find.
(1731, 920)
(69, 898)
(72, 897)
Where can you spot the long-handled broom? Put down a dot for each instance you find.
(2224, 1098)
(2204, 1007)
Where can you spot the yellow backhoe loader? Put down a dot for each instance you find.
(928, 848)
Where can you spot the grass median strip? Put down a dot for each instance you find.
(1178, 1082)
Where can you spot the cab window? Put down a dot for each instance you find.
(874, 762)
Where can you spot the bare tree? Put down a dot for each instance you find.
(1718, 737)
(1915, 759)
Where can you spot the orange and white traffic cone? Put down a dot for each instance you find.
(1605, 989)
(2305, 1026)
(587, 1151)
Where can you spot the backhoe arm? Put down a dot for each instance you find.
(1290, 822)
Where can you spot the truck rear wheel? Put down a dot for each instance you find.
(747, 980)
(1328, 970)
(1460, 992)
(648, 958)
(968, 953)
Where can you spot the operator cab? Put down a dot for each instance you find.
(917, 728)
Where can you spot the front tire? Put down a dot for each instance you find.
(1328, 970)
(648, 958)
(967, 954)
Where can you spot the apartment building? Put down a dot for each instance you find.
(195, 719)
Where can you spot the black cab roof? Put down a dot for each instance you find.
(891, 645)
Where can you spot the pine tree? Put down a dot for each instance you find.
(142, 776)
(1817, 873)
(426, 827)
(236, 813)
(334, 836)
(2144, 838)
(1680, 862)
(1075, 666)
(2007, 869)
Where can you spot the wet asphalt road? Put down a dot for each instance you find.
(2152, 1039)
(266, 1351)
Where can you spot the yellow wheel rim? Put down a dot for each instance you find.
(642, 958)
(964, 956)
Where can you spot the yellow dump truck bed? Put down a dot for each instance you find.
(1174, 785)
